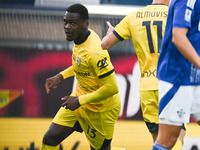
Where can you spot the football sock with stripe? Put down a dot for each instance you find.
(47, 147)
(157, 146)
(178, 145)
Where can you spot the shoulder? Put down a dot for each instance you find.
(94, 34)
(94, 41)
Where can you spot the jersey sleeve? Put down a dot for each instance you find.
(100, 62)
(67, 72)
(122, 29)
(183, 11)
(109, 88)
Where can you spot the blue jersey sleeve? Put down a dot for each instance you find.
(183, 12)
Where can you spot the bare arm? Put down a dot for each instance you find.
(110, 39)
(181, 41)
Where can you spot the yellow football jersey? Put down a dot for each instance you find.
(90, 64)
(146, 28)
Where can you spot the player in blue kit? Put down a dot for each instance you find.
(178, 71)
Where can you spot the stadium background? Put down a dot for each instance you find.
(33, 47)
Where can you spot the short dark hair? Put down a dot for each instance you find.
(80, 9)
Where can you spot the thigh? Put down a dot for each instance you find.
(98, 126)
(149, 106)
(63, 124)
(65, 117)
(56, 134)
(174, 103)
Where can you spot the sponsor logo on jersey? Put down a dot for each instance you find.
(148, 73)
(82, 73)
(102, 63)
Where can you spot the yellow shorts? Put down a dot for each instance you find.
(97, 126)
(149, 106)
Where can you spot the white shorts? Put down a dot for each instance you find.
(178, 103)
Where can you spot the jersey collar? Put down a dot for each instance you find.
(85, 38)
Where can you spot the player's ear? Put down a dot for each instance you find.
(86, 23)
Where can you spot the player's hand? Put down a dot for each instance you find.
(71, 102)
(110, 28)
(51, 82)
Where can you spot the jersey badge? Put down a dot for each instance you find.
(180, 113)
(78, 61)
(97, 53)
(188, 14)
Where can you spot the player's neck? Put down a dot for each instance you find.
(83, 37)
(161, 2)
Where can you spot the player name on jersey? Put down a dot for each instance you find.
(148, 14)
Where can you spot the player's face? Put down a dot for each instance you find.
(74, 26)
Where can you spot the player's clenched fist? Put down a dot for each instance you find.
(71, 102)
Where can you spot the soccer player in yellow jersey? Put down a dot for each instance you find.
(146, 28)
(95, 105)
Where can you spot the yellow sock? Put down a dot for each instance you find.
(117, 148)
(178, 145)
(47, 147)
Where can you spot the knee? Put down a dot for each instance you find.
(50, 139)
(167, 142)
(46, 138)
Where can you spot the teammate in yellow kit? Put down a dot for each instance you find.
(95, 105)
(146, 27)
